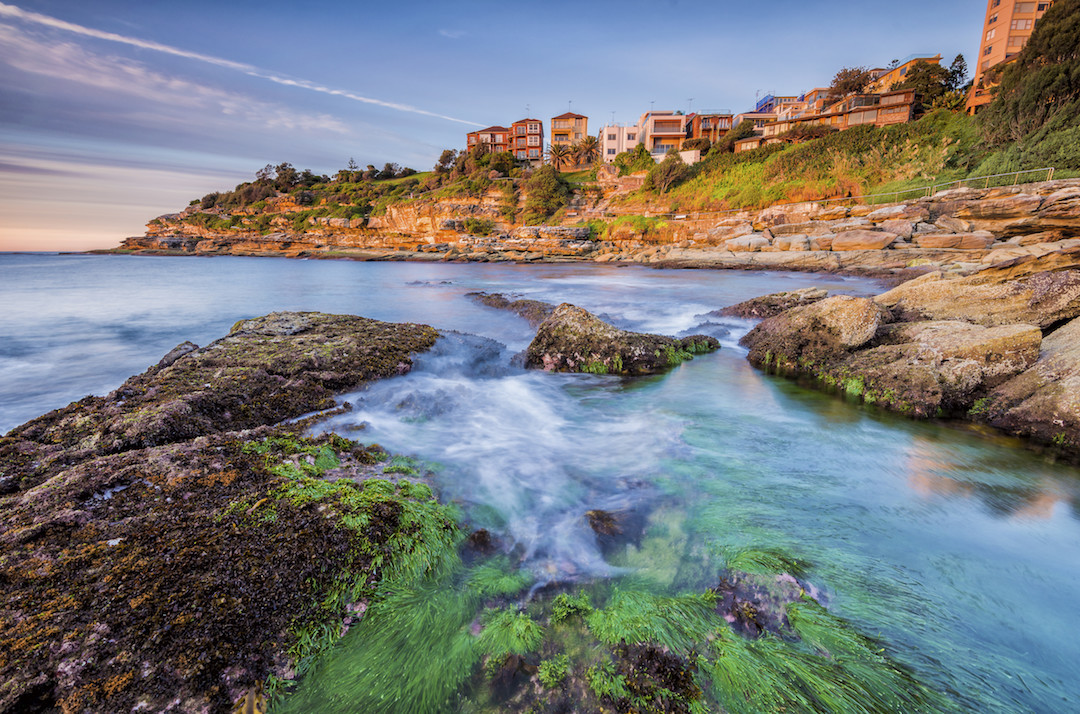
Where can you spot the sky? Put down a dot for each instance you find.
(113, 112)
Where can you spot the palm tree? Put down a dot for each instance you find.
(588, 150)
(558, 154)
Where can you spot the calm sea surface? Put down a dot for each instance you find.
(960, 551)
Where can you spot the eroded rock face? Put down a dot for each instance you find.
(1040, 299)
(1043, 403)
(863, 240)
(574, 340)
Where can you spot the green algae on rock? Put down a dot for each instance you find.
(166, 547)
(574, 340)
(533, 311)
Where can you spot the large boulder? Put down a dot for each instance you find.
(1041, 299)
(964, 241)
(533, 311)
(574, 340)
(814, 334)
(1042, 403)
(775, 303)
(748, 243)
(863, 240)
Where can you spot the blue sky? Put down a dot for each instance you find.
(113, 112)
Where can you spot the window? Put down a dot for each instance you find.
(611, 137)
(996, 3)
(1017, 41)
(521, 154)
(992, 20)
(611, 152)
(500, 138)
(534, 153)
(1020, 25)
(1022, 8)
(520, 130)
(534, 128)
(631, 137)
(1043, 6)
(991, 33)
(903, 70)
(988, 50)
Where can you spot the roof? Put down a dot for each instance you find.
(570, 115)
(489, 129)
(522, 121)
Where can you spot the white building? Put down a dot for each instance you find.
(615, 139)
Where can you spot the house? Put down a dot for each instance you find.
(662, 131)
(568, 129)
(749, 143)
(615, 139)
(1006, 28)
(527, 140)
(497, 138)
(896, 107)
(887, 78)
(707, 125)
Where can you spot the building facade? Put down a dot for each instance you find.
(527, 140)
(568, 129)
(497, 138)
(1006, 28)
(886, 78)
(661, 132)
(708, 125)
(616, 139)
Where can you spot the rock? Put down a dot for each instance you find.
(989, 298)
(774, 304)
(951, 224)
(747, 244)
(1009, 207)
(862, 240)
(1062, 208)
(1032, 238)
(794, 242)
(902, 227)
(176, 353)
(816, 333)
(534, 311)
(573, 340)
(822, 242)
(850, 224)
(905, 211)
(1043, 403)
(966, 241)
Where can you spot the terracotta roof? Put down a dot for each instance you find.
(570, 115)
(522, 121)
(490, 129)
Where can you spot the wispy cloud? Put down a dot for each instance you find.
(452, 34)
(14, 12)
(70, 62)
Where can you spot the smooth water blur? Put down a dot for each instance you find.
(958, 549)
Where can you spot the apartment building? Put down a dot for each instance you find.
(895, 107)
(1006, 28)
(662, 131)
(615, 139)
(888, 77)
(568, 129)
(707, 125)
(497, 138)
(527, 140)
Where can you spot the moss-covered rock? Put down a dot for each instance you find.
(775, 303)
(534, 311)
(574, 340)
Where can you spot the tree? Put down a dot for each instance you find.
(558, 155)
(928, 80)
(446, 161)
(502, 161)
(850, 80)
(546, 192)
(285, 176)
(389, 171)
(587, 150)
(957, 74)
(667, 173)
(634, 160)
(1037, 103)
(702, 143)
(726, 144)
(352, 166)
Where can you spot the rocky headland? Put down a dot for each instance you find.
(960, 230)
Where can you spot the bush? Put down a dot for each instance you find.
(546, 193)
(479, 226)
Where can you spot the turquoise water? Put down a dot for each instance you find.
(958, 549)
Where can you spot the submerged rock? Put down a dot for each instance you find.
(574, 340)
(534, 311)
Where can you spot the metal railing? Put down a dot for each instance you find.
(1011, 178)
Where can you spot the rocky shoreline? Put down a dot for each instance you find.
(959, 230)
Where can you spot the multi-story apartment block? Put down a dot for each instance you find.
(616, 139)
(1006, 28)
(888, 77)
(527, 140)
(497, 138)
(569, 128)
(707, 125)
(662, 131)
(894, 107)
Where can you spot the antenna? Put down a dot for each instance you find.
(690, 106)
(613, 117)
(651, 103)
(569, 105)
(528, 109)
